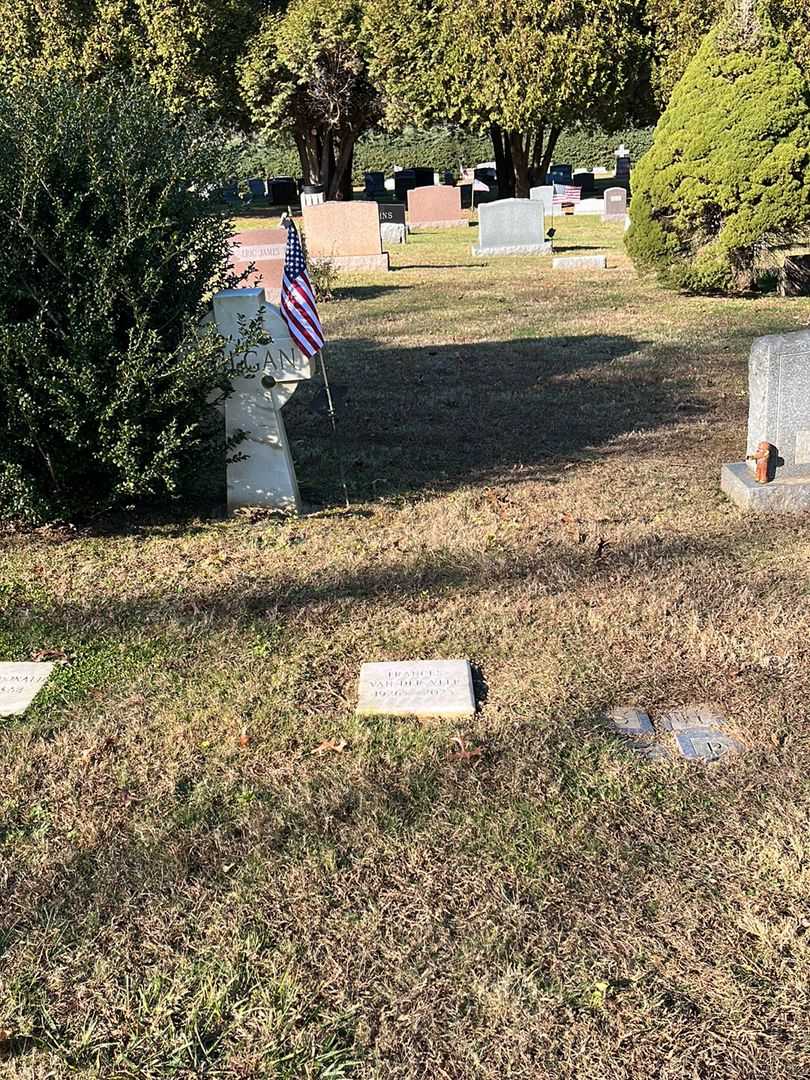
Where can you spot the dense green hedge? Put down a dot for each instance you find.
(440, 148)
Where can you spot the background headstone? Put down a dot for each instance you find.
(348, 233)
(392, 213)
(283, 191)
(417, 688)
(258, 188)
(615, 206)
(544, 194)
(560, 174)
(374, 183)
(391, 232)
(794, 276)
(584, 180)
(265, 248)
(19, 685)
(512, 227)
(624, 163)
(407, 179)
(435, 207)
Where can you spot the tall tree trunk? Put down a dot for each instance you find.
(535, 175)
(327, 160)
(503, 161)
(518, 143)
(551, 146)
(340, 184)
(309, 153)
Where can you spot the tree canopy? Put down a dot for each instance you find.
(306, 73)
(521, 69)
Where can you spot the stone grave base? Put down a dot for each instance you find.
(357, 264)
(579, 262)
(426, 226)
(790, 495)
(514, 249)
(391, 232)
(614, 217)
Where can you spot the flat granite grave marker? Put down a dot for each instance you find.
(615, 206)
(778, 418)
(435, 207)
(579, 262)
(347, 233)
(700, 733)
(512, 227)
(416, 688)
(20, 683)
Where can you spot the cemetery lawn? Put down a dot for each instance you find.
(210, 867)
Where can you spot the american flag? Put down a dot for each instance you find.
(297, 298)
(566, 193)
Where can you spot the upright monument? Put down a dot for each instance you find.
(264, 379)
(775, 476)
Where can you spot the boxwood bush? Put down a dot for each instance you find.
(727, 179)
(111, 246)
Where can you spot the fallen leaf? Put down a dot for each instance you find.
(331, 746)
(465, 751)
(244, 738)
(54, 656)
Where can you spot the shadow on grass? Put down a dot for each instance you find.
(484, 413)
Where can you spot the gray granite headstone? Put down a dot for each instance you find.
(512, 227)
(545, 195)
(615, 206)
(778, 413)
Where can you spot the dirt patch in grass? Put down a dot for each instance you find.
(188, 889)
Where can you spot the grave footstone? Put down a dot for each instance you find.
(700, 733)
(579, 262)
(417, 688)
(20, 683)
(615, 206)
(512, 227)
(265, 248)
(778, 429)
(435, 207)
(347, 233)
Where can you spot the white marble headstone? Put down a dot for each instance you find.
(19, 685)
(417, 688)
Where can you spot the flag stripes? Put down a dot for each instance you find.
(298, 307)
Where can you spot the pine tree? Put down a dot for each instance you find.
(727, 179)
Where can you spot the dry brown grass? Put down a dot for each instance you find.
(534, 466)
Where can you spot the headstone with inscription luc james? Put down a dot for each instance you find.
(417, 688)
(19, 685)
(615, 206)
(346, 233)
(512, 227)
(778, 448)
(265, 249)
(264, 379)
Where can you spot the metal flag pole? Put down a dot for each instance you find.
(333, 420)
